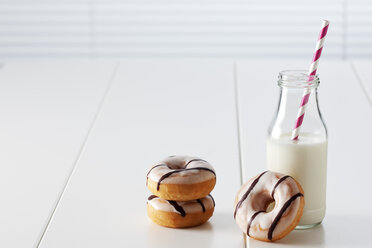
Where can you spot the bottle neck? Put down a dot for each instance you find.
(288, 107)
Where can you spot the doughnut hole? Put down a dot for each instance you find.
(263, 202)
(176, 165)
(270, 206)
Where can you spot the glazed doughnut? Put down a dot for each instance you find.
(180, 213)
(181, 178)
(255, 196)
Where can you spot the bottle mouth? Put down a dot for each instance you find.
(297, 79)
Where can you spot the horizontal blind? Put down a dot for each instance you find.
(181, 28)
(359, 29)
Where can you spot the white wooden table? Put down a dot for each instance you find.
(77, 139)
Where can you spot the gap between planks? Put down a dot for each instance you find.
(238, 122)
(239, 132)
(360, 81)
(74, 166)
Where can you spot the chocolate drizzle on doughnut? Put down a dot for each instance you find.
(201, 204)
(247, 193)
(152, 197)
(178, 208)
(183, 168)
(280, 214)
(158, 165)
(180, 170)
(214, 204)
(277, 184)
(250, 221)
(194, 160)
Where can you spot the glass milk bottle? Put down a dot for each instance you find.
(304, 159)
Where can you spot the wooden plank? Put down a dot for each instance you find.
(156, 108)
(46, 110)
(362, 69)
(348, 117)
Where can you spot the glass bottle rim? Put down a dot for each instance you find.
(297, 79)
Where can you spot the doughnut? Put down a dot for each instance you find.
(180, 213)
(254, 201)
(181, 178)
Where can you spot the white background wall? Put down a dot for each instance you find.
(182, 28)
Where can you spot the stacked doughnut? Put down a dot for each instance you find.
(180, 187)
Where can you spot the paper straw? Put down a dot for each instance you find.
(312, 72)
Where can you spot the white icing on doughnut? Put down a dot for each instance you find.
(192, 206)
(258, 200)
(177, 163)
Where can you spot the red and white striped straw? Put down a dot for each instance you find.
(312, 72)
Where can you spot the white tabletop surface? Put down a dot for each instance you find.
(78, 139)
